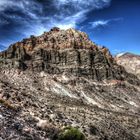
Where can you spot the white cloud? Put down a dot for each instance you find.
(82, 4)
(70, 21)
(3, 4)
(99, 23)
(103, 23)
(64, 14)
(74, 12)
(3, 22)
(2, 47)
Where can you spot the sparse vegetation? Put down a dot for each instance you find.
(70, 133)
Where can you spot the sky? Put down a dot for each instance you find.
(114, 24)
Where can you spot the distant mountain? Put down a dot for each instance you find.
(62, 79)
(130, 61)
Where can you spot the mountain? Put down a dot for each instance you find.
(60, 51)
(130, 62)
(62, 79)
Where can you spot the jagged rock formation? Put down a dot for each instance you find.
(60, 51)
(62, 79)
(130, 62)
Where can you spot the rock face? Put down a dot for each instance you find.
(64, 51)
(62, 79)
(130, 62)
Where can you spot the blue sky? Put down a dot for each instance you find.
(111, 23)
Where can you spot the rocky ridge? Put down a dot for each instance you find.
(62, 79)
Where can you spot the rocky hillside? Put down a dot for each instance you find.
(62, 79)
(130, 62)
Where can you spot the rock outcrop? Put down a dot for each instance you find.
(64, 51)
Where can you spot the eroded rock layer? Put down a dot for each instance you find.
(64, 51)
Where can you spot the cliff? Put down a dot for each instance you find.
(64, 51)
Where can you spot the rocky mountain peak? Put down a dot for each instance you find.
(56, 39)
(63, 51)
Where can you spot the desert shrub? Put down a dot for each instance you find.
(70, 133)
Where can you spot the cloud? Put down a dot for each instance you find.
(26, 17)
(82, 4)
(103, 23)
(74, 12)
(2, 47)
(63, 12)
(99, 23)
(3, 22)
